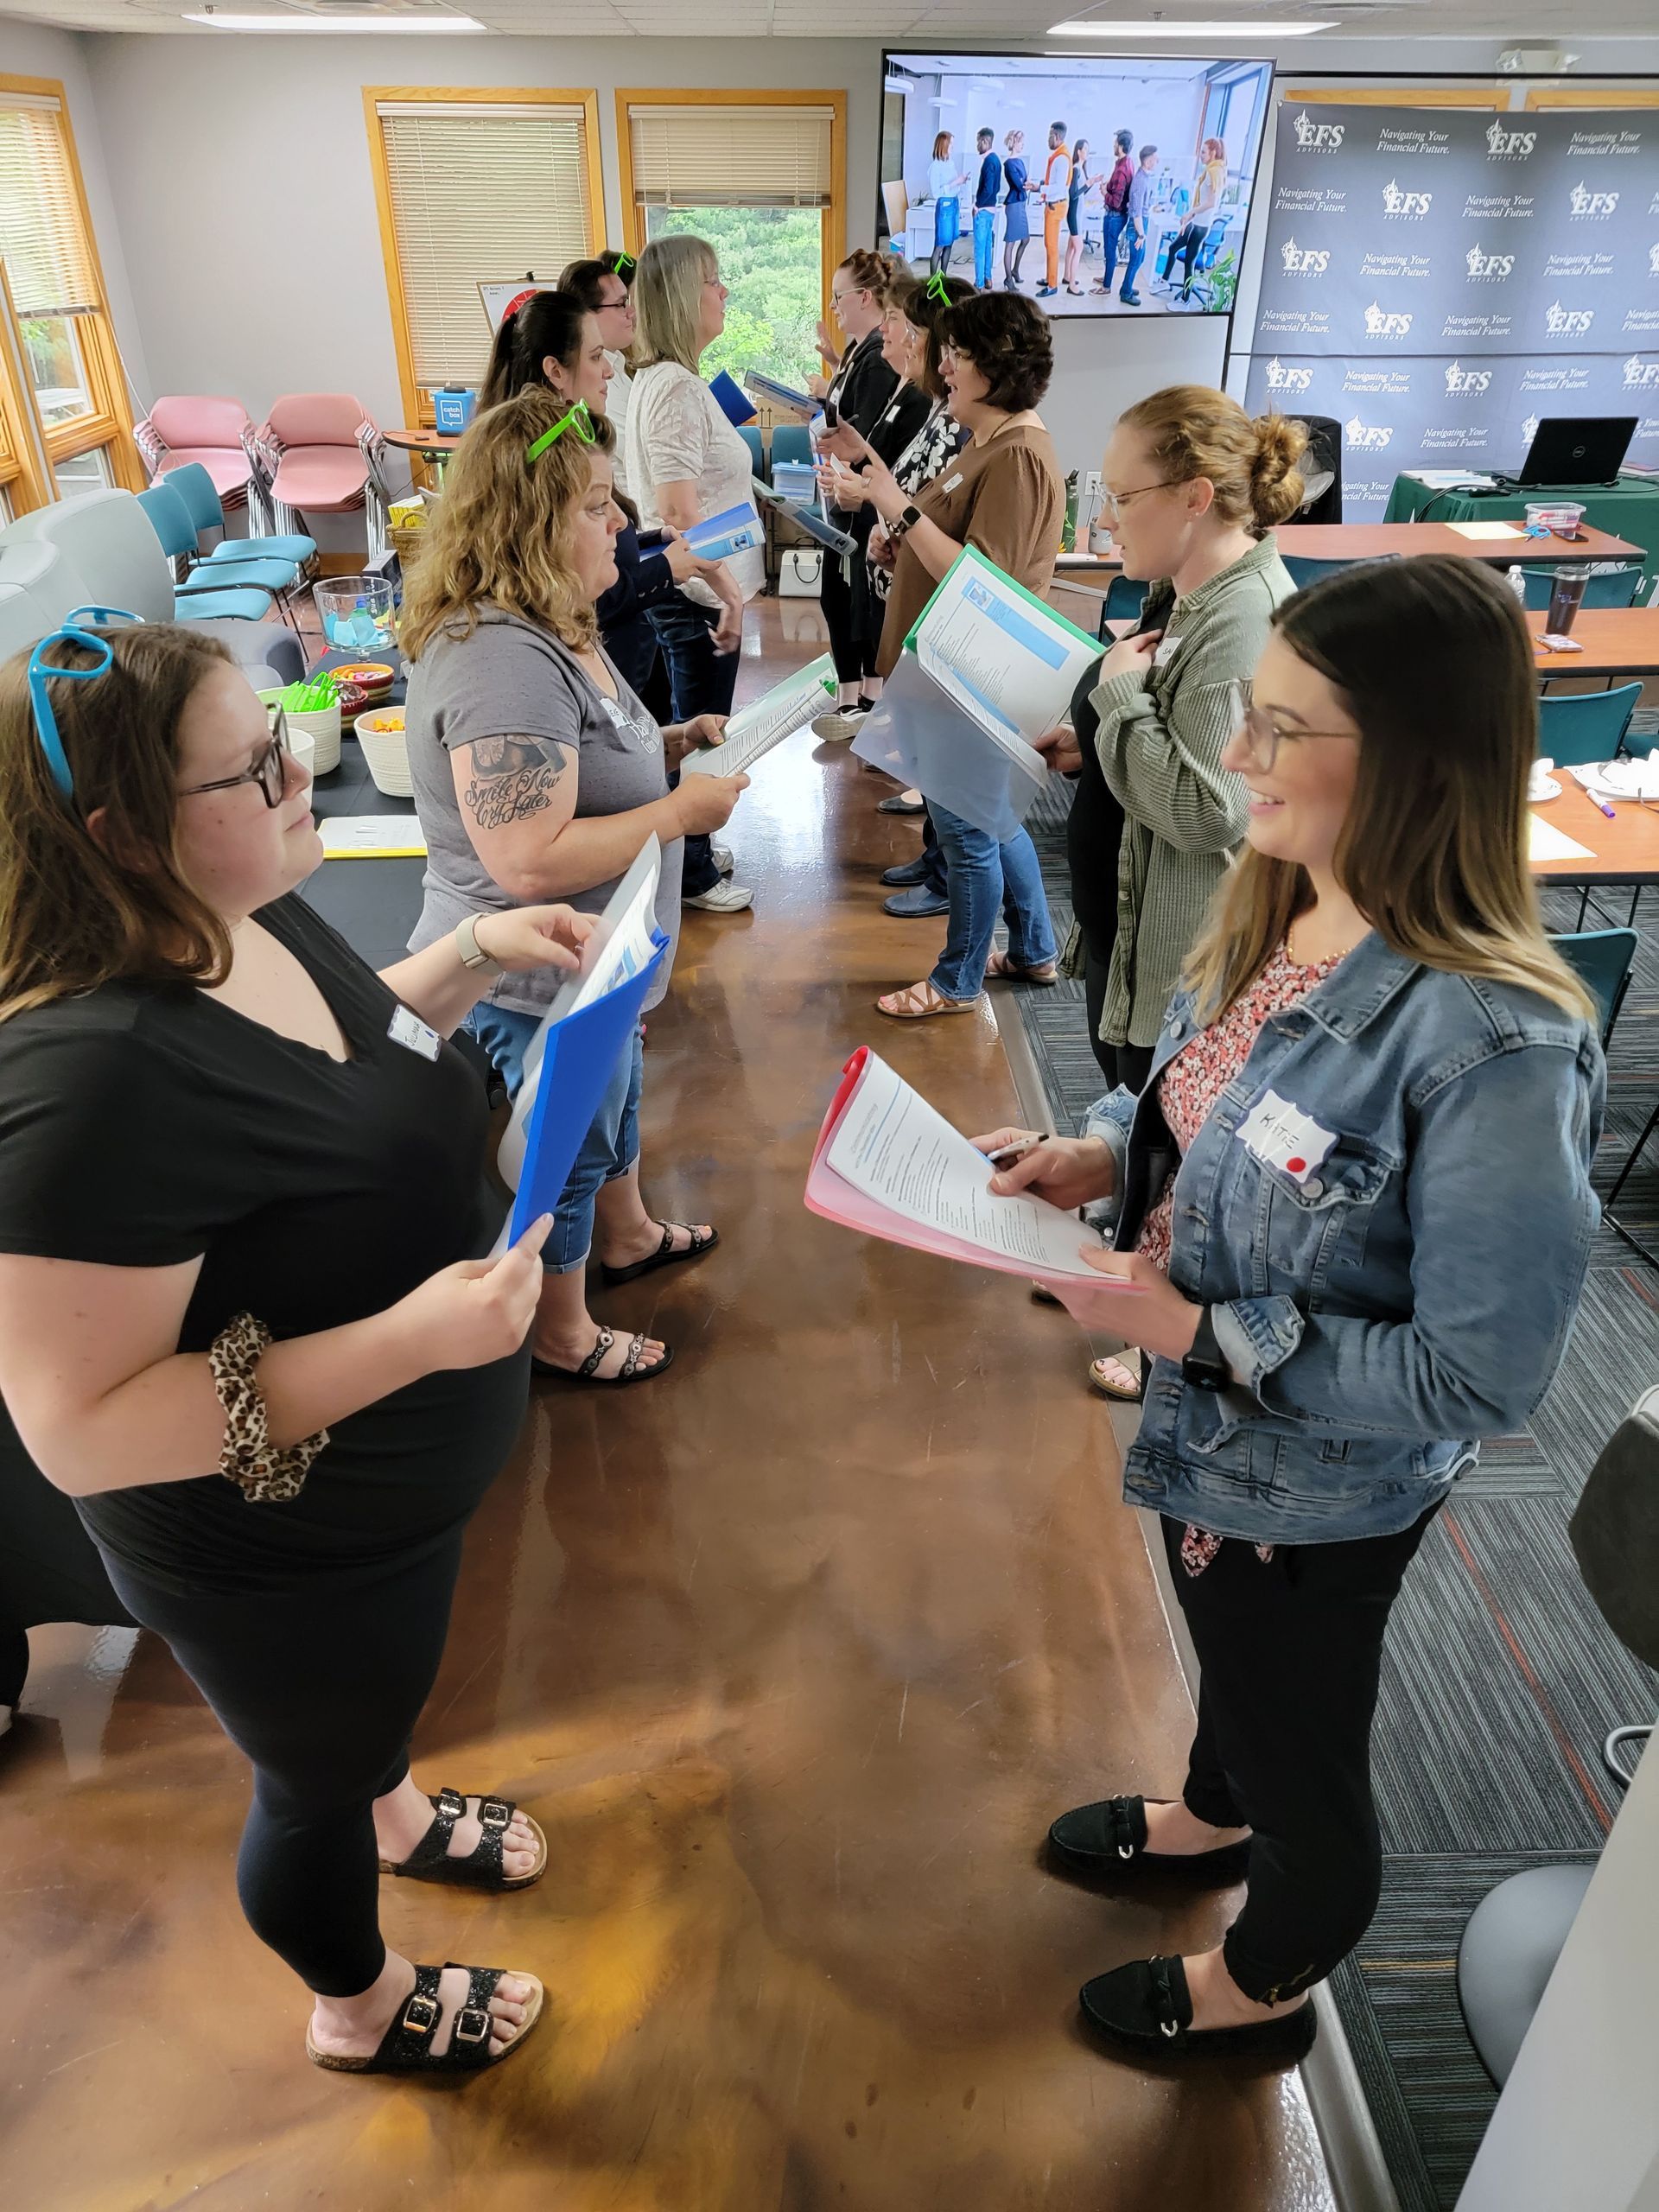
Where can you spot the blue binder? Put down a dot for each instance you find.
(577, 1062)
(734, 402)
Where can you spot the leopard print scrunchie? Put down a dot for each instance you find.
(263, 1474)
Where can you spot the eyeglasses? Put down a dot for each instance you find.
(851, 293)
(1112, 503)
(578, 419)
(1255, 727)
(269, 771)
(624, 261)
(938, 289)
(623, 306)
(42, 671)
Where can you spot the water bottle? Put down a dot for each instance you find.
(1518, 582)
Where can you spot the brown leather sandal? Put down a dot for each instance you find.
(920, 1002)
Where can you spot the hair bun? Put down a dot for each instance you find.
(1276, 485)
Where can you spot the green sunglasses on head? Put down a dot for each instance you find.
(578, 420)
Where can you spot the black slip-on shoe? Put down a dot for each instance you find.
(1109, 1839)
(1147, 2008)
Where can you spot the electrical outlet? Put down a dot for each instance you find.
(1091, 485)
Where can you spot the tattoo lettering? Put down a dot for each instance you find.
(513, 777)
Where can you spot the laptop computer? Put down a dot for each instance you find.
(1573, 449)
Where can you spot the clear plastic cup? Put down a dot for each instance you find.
(356, 612)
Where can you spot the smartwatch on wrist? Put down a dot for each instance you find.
(473, 954)
(912, 515)
(1204, 1367)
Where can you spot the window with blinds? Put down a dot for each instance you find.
(740, 156)
(476, 193)
(43, 240)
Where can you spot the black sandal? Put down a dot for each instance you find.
(406, 2047)
(630, 1370)
(664, 1256)
(1108, 1839)
(481, 1867)
(1147, 2008)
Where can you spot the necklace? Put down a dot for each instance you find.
(1337, 952)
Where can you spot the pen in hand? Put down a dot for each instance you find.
(1009, 1153)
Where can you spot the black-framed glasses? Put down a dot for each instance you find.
(1261, 736)
(269, 771)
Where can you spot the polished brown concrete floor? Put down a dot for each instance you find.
(794, 1654)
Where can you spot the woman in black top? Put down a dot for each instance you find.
(245, 1322)
(857, 393)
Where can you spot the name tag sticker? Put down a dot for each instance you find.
(1284, 1137)
(952, 483)
(408, 1030)
(1165, 647)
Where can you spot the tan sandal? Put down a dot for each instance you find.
(1132, 1362)
(918, 1002)
(999, 968)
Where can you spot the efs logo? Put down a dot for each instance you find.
(1653, 260)
(1459, 379)
(1366, 437)
(1583, 202)
(1528, 430)
(1281, 379)
(1304, 260)
(1379, 323)
(1503, 145)
(1317, 137)
(1567, 322)
(1488, 265)
(1396, 202)
(1641, 376)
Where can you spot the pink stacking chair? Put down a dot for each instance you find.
(322, 452)
(214, 433)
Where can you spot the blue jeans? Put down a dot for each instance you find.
(1110, 238)
(984, 232)
(702, 682)
(1137, 254)
(608, 1150)
(984, 877)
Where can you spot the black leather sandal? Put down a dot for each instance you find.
(1147, 2008)
(664, 1256)
(1107, 1839)
(630, 1370)
(480, 1868)
(406, 2047)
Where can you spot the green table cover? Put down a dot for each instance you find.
(1629, 509)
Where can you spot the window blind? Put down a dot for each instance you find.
(43, 238)
(478, 193)
(730, 157)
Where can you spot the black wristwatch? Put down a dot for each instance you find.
(1204, 1367)
(907, 520)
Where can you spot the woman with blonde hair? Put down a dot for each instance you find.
(246, 1322)
(1193, 487)
(685, 462)
(537, 772)
(1354, 1201)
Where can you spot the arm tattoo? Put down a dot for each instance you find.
(513, 777)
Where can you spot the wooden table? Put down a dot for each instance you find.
(1373, 541)
(1626, 850)
(1617, 641)
(433, 446)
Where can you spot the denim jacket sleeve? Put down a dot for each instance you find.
(1501, 1213)
(1108, 1119)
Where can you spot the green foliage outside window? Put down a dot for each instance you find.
(771, 263)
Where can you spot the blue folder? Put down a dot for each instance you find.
(734, 402)
(578, 1061)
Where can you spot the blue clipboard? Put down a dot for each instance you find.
(578, 1061)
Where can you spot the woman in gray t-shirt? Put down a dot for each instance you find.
(533, 762)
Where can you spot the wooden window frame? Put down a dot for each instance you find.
(833, 249)
(1540, 98)
(417, 404)
(110, 425)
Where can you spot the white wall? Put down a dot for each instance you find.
(35, 50)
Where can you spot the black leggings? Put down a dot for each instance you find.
(1289, 1651)
(1124, 1066)
(321, 1689)
(853, 649)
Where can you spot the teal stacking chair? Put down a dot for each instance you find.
(1585, 726)
(1125, 597)
(200, 495)
(1606, 587)
(1604, 959)
(238, 598)
(791, 442)
(750, 434)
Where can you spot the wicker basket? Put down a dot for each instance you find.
(410, 544)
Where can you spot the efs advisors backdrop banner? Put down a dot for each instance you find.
(1437, 280)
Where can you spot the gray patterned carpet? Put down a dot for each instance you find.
(1501, 1679)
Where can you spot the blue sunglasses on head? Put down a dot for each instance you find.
(42, 671)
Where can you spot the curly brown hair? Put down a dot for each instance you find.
(922, 310)
(1005, 336)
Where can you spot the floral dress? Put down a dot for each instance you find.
(1187, 1091)
(939, 442)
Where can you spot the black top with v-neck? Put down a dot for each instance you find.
(145, 1124)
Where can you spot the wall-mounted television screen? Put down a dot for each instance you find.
(1094, 185)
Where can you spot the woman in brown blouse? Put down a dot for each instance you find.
(1004, 494)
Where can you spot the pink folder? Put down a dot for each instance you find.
(836, 1200)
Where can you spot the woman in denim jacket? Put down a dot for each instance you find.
(1355, 1200)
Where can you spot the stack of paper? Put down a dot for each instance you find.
(782, 399)
(737, 530)
(887, 1164)
(767, 721)
(371, 837)
(988, 668)
(1485, 530)
(1547, 842)
(1452, 479)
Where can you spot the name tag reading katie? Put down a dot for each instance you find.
(408, 1030)
(1282, 1136)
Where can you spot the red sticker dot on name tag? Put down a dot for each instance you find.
(1296, 1166)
